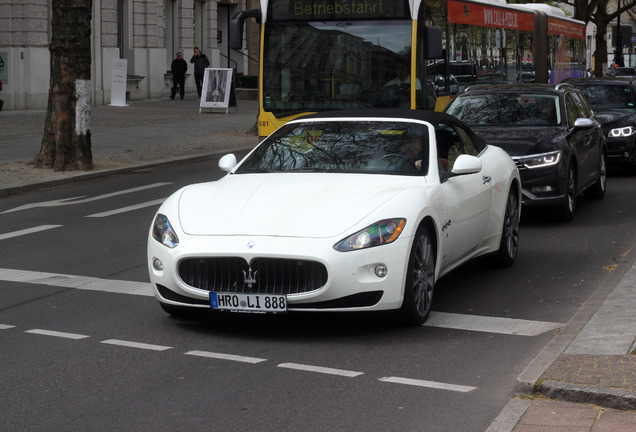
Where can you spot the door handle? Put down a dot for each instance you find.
(486, 179)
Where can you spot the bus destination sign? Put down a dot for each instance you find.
(336, 10)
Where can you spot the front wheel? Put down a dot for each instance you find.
(509, 244)
(420, 279)
(565, 212)
(597, 190)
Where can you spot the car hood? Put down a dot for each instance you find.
(290, 205)
(520, 140)
(615, 118)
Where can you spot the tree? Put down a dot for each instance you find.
(595, 11)
(66, 143)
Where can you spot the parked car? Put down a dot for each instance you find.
(340, 211)
(614, 104)
(551, 133)
(622, 72)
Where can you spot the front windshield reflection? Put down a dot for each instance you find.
(609, 97)
(505, 109)
(352, 147)
(336, 65)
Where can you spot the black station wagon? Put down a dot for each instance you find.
(550, 132)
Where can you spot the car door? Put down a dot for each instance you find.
(586, 142)
(468, 199)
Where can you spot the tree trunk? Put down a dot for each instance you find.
(66, 143)
(600, 56)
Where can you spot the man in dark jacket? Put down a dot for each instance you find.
(179, 67)
(201, 62)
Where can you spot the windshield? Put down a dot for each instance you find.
(505, 109)
(315, 66)
(603, 97)
(343, 146)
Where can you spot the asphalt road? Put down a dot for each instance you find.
(84, 347)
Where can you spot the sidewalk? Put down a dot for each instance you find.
(147, 132)
(586, 376)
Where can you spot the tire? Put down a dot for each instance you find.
(565, 212)
(509, 244)
(597, 190)
(420, 280)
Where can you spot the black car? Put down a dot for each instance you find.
(614, 104)
(549, 131)
(622, 72)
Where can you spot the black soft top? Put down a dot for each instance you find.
(433, 117)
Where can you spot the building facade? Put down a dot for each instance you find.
(147, 33)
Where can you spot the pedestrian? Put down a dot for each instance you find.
(201, 62)
(179, 67)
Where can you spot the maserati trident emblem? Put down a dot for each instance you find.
(250, 277)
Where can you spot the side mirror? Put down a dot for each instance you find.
(236, 26)
(227, 162)
(583, 123)
(466, 164)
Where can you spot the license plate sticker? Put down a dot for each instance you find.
(263, 303)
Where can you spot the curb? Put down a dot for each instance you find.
(605, 397)
(527, 381)
(41, 184)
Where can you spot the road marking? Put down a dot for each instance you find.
(498, 325)
(77, 282)
(127, 209)
(27, 231)
(78, 200)
(320, 369)
(222, 356)
(486, 324)
(139, 345)
(6, 326)
(428, 384)
(57, 334)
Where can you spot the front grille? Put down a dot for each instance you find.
(261, 276)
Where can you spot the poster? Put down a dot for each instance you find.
(118, 86)
(216, 88)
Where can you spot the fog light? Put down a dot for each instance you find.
(542, 189)
(626, 155)
(157, 264)
(381, 270)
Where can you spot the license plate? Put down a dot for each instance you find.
(264, 303)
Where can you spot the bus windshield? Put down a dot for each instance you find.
(317, 66)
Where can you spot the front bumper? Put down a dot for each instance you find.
(546, 186)
(350, 285)
(621, 151)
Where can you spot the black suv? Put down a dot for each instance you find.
(614, 104)
(549, 131)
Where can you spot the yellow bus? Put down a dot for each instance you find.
(318, 55)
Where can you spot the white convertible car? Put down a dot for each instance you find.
(341, 211)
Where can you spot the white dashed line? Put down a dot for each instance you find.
(139, 345)
(57, 334)
(6, 326)
(77, 282)
(320, 369)
(127, 209)
(428, 384)
(222, 356)
(27, 231)
(487, 324)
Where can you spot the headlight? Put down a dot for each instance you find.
(162, 232)
(540, 160)
(380, 233)
(622, 132)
